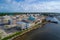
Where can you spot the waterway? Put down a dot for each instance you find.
(50, 31)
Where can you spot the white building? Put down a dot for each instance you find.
(6, 18)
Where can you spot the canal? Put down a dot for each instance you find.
(50, 31)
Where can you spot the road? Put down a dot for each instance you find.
(50, 31)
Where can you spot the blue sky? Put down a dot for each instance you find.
(30, 6)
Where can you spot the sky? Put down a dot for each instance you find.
(30, 6)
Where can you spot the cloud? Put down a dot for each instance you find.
(30, 6)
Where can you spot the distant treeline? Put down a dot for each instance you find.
(2, 14)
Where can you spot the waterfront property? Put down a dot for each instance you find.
(10, 24)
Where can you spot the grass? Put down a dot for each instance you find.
(15, 34)
(6, 38)
(18, 33)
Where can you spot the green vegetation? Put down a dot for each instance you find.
(17, 33)
(17, 13)
(8, 37)
(2, 14)
(1, 33)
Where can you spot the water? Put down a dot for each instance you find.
(50, 31)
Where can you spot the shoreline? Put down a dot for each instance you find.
(29, 31)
